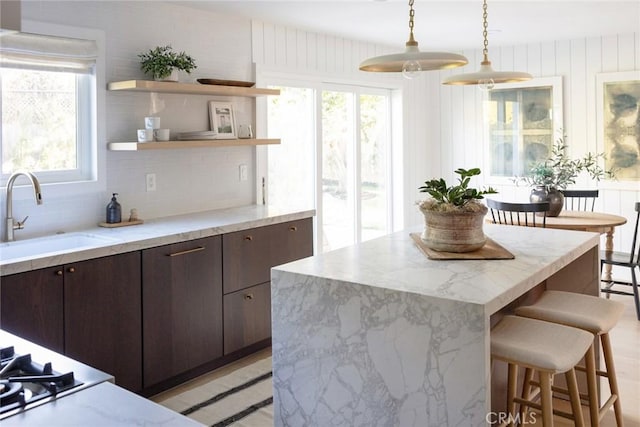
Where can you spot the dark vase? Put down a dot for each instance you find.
(541, 193)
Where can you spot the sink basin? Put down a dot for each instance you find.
(47, 246)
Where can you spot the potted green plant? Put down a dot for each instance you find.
(163, 63)
(557, 172)
(454, 214)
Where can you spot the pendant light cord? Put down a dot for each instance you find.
(412, 41)
(485, 50)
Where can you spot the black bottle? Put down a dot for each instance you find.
(114, 212)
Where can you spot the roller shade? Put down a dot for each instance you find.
(47, 53)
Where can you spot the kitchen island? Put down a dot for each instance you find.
(377, 334)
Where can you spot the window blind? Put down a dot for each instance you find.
(47, 53)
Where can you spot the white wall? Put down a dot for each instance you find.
(443, 127)
(442, 124)
(188, 180)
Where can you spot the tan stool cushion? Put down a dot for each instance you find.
(540, 345)
(594, 314)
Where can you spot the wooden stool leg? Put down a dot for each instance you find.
(611, 374)
(546, 397)
(512, 381)
(574, 394)
(526, 392)
(592, 387)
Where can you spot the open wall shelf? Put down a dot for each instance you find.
(163, 145)
(189, 88)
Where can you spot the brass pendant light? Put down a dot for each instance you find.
(486, 78)
(412, 60)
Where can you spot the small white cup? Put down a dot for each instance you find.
(145, 135)
(161, 134)
(152, 122)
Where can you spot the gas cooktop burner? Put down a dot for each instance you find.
(23, 381)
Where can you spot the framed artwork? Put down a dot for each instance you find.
(522, 121)
(618, 120)
(222, 120)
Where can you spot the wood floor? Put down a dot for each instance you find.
(625, 340)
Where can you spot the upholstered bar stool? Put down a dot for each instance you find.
(547, 348)
(593, 314)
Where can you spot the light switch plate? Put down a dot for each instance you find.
(243, 172)
(151, 181)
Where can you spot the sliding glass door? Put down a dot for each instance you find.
(335, 157)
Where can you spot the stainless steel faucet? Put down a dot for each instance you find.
(19, 225)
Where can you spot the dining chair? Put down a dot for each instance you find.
(579, 200)
(518, 213)
(629, 260)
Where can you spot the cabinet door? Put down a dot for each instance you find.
(182, 307)
(31, 306)
(246, 258)
(247, 317)
(291, 241)
(102, 316)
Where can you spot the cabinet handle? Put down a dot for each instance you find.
(293, 228)
(71, 270)
(248, 296)
(188, 251)
(248, 238)
(58, 272)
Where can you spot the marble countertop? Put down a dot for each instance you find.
(394, 262)
(152, 233)
(104, 404)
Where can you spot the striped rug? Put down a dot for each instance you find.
(242, 398)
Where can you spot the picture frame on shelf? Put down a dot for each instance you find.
(617, 118)
(522, 121)
(222, 119)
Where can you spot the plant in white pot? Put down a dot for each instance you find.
(163, 63)
(454, 215)
(557, 172)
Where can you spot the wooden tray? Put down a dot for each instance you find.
(491, 250)
(120, 224)
(225, 82)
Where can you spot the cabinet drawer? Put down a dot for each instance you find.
(247, 317)
(246, 258)
(291, 241)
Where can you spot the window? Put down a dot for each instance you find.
(523, 120)
(48, 107)
(336, 140)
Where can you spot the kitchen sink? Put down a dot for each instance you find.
(51, 245)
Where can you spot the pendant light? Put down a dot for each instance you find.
(412, 60)
(486, 78)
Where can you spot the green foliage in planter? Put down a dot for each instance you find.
(559, 171)
(160, 61)
(457, 197)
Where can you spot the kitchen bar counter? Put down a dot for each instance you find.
(377, 334)
(152, 233)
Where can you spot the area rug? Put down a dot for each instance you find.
(243, 398)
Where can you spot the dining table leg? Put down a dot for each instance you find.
(608, 245)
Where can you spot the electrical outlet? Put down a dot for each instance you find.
(243, 172)
(151, 182)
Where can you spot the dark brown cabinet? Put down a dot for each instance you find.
(247, 317)
(248, 257)
(32, 306)
(182, 307)
(89, 310)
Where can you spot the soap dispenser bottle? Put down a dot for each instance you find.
(114, 211)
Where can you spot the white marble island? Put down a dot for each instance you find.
(378, 335)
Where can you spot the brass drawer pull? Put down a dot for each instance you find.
(188, 251)
(248, 238)
(248, 296)
(58, 272)
(293, 228)
(71, 270)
